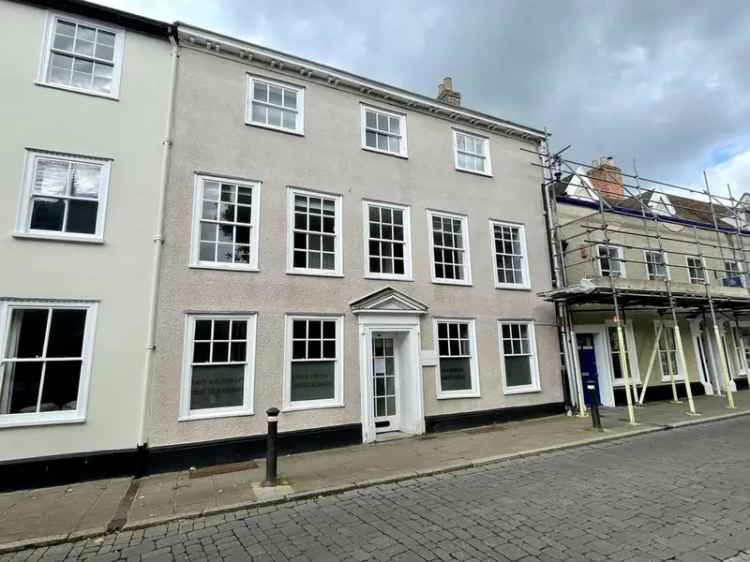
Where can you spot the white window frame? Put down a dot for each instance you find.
(198, 184)
(466, 281)
(49, 37)
(535, 385)
(620, 259)
(338, 270)
(524, 260)
(739, 273)
(338, 400)
(629, 335)
(474, 391)
(404, 150)
(300, 90)
(695, 280)
(23, 217)
(487, 158)
(680, 375)
(667, 274)
(406, 210)
(247, 407)
(61, 416)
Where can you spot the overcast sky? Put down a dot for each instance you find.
(664, 82)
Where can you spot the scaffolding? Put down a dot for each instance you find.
(717, 225)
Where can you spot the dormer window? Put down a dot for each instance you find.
(580, 187)
(660, 204)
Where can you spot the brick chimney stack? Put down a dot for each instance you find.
(447, 94)
(606, 177)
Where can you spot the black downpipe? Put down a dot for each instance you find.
(558, 315)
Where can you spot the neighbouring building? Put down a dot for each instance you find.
(664, 254)
(84, 104)
(364, 258)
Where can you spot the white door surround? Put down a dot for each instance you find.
(393, 313)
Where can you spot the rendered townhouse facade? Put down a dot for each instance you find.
(653, 238)
(83, 112)
(363, 258)
(201, 229)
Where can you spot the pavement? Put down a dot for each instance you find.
(182, 500)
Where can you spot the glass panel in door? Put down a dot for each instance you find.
(385, 383)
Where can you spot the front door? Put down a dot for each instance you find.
(385, 383)
(587, 361)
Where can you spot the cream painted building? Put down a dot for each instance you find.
(84, 105)
(362, 257)
(619, 234)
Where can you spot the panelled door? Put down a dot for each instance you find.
(385, 383)
(587, 361)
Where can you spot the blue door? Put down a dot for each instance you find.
(587, 361)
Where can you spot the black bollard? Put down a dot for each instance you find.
(271, 453)
(596, 420)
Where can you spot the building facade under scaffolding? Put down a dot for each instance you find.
(668, 264)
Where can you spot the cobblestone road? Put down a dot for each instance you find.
(680, 495)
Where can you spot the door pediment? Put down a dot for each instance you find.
(388, 301)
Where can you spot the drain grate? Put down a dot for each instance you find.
(485, 429)
(222, 469)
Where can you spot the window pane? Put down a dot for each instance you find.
(217, 386)
(207, 252)
(394, 125)
(274, 95)
(289, 120)
(371, 139)
(239, 329)
(224, 253)
(47, 214)
(21, 391)
(66, 333)
(370, 119)
(83, 71)
(518, 370)
(382, 142)
(60, 391)
(260, 91)
(103, 50)
(274, 117)
(63, 42)
(85, 180)
(28, 328)
(455, 373)
(82, 217)
(238, 351)
(51, 177)
(61, 68)
(85, 40)
(260, 113)
(290, 99)
(312, 380)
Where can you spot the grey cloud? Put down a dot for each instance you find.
(665, 82)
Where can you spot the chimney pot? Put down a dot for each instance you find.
(447, 94)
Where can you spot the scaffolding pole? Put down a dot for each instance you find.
(724, 360)
(624, 296)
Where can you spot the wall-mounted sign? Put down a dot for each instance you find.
(428, 358)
